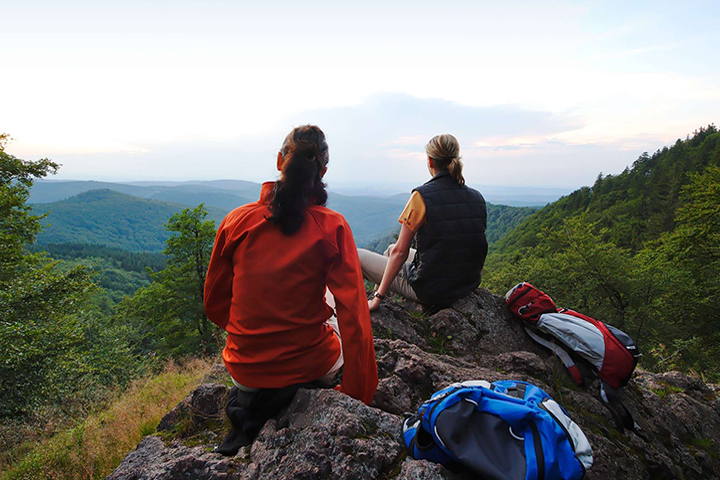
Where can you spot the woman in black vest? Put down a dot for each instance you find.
(448, 219)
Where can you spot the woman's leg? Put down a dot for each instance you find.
(373, 267)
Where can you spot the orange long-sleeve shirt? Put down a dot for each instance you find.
(267, 290)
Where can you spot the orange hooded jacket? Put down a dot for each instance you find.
(267, 290)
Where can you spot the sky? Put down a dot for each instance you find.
(545, 94)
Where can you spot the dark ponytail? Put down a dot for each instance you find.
(305, 155)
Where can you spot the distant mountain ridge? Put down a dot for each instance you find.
(45, 191)
(81, 214)
(186, 193)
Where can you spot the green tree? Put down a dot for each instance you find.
(18, 227)
(53, 344)
(577, 268)
(685, 267)
(170, 310)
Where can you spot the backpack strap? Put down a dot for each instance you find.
(611, 397)
(518, 391)
(561, 353)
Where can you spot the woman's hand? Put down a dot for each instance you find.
(373, 304)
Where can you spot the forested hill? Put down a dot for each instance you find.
(639, 250)
(226, 194)
(107, 217)
(116, 219)
(634, 206)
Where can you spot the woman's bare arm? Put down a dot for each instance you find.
(398, 257)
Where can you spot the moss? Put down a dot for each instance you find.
(382, 332)
(395, 467)
(559, 380)
(705, 444)
(666, 389)
(370, 426)
(617, 437)
(192, 434)
(183, 426)
(199, 440)
(606, 427)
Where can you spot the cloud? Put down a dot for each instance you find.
(400, 119)
(382, 140)
(385, 136)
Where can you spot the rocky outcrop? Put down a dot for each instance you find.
(324, 434)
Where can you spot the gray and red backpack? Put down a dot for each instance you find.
(611, 353)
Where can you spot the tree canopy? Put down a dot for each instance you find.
(169, 312)
(638, 250)
(52, 343)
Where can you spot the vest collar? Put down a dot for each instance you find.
(439, 175)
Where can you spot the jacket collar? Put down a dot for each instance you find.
(267, 191)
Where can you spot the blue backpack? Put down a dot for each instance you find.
(501, 430)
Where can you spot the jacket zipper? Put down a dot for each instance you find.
(539, 457)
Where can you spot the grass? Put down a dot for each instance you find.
(438, 343)
(418, 314)
(666, 389)
(96, 445)
(705, 444)
(559, 379)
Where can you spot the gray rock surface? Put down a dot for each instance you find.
(324, 434)
(207, 402)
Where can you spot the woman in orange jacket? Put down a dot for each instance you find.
(271, 266)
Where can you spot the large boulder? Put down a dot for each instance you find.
(324, 434)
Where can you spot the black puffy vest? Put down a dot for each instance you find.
(451, 246)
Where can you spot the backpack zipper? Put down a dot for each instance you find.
(539, 456)
(440, 398)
